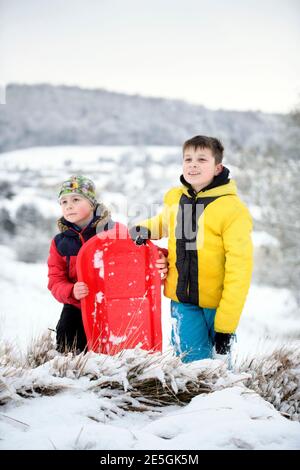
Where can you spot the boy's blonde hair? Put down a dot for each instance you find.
(202, 141)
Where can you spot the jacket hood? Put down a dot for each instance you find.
(101, 217)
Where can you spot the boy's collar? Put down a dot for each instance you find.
(77, 227)
(219, 180)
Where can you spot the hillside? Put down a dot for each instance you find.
(45, 115)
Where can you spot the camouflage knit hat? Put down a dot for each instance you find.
(79, 185)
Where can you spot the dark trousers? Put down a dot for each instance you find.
(70, 333)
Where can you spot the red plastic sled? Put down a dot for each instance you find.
(123, 308)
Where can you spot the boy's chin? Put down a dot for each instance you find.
(194, 182)
(74, 220)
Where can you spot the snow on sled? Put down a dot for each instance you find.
(123, 308)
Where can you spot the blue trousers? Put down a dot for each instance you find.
(192, 331)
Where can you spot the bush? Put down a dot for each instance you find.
(8, 227)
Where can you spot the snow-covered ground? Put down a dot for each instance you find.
(228, 419)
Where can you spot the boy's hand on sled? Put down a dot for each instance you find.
(222, 343)
(139, 234)
(80, 290)
(162, 265)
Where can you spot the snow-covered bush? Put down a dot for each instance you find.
(8, 226)
(276, 377)
(139, 380)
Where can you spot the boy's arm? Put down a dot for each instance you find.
(59, 284)
(157, 225)
(238, 270)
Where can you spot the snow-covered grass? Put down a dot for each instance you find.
(116, 402)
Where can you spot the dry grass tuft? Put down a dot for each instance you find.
(41, 350)
(135, 380)
(276, 377)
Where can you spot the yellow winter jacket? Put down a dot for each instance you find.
(209, 250)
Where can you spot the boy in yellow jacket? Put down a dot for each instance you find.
(209, 251)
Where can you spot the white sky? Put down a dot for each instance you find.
(232, 54)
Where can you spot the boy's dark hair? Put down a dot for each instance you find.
(202, 141)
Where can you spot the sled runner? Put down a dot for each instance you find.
(122, 310)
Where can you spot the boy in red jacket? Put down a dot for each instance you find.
(82, 217)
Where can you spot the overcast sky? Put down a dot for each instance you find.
(232, 54)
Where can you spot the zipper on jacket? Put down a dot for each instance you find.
(79, 234)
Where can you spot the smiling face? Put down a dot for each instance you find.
(76, 209)
(199, 167)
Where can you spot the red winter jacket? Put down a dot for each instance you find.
(63, 254)
(62, 279)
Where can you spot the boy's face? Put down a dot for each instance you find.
(76, 209)
(199, 167)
